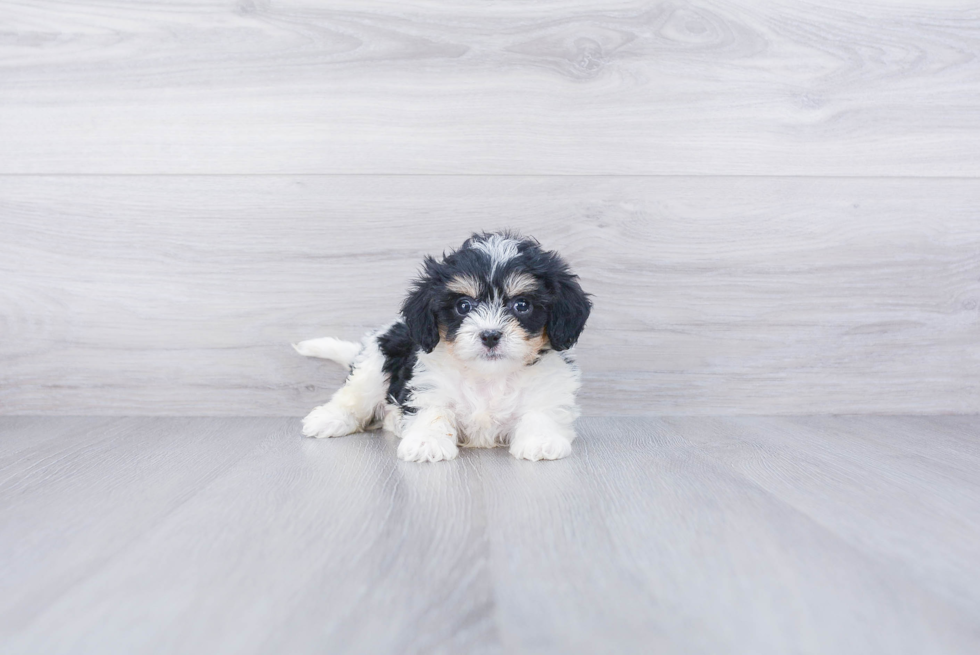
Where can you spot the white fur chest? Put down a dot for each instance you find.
(487, 403)
(487, 408)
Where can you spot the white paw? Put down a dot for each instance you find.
(327, 421)
(428, 448)
(545, 447)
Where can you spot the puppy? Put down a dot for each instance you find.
(479, 359)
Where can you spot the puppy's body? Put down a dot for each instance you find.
(480, 358)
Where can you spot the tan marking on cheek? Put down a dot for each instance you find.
(444, 339)
(466, 285)
(535, 343)
(518, 283)
(510, 327)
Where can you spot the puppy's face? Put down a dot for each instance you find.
(498, 301)
(494, 318)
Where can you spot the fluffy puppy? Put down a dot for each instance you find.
(479, 359)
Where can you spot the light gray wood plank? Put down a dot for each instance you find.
(302, 546)
(180, 295)
(20, 436)
(70, 505)
(953, 441)
(650, 537)
(628, 87)
(921, 513)
(676, 553)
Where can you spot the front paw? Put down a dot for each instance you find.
(535, 448)
(427, 448)
(328, 421)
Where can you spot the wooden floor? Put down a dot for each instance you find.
(666, 535)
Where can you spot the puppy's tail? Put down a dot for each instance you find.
(342, 352)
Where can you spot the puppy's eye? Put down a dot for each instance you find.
(463, 306)
(522, 306)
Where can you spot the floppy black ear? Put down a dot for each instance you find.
(419, 309)
(569, 311)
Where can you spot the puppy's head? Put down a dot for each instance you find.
(498, 300)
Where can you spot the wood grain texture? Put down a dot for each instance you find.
(181, 295)
(824, 87)
(295, 548)
(677, 535)
(675, 553)
(113, 480)
(919, 511)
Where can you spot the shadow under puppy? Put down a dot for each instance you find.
(479, 359)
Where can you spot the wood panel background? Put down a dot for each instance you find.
(825, 87)
(776, 204)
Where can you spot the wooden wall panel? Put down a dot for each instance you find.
(826, 87)
(180, 295)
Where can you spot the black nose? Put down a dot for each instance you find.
(490, 338)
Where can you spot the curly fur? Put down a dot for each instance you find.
(480, 357)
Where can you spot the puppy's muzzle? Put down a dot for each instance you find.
(490, 338)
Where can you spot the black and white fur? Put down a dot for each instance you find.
(479, 359)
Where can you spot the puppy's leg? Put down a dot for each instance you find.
(355, 405)
(541, 435)
(429, 436)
